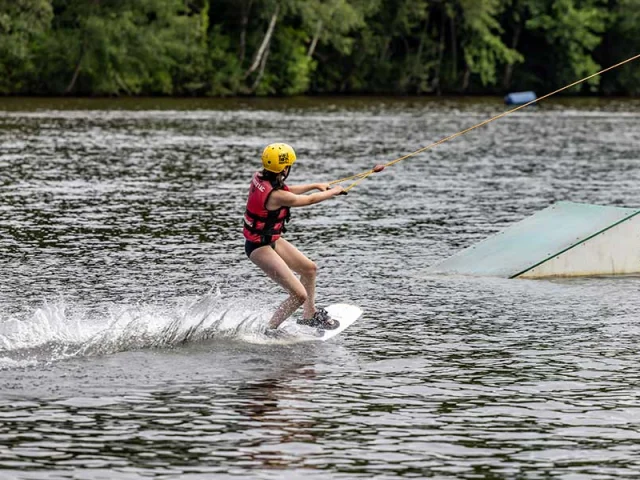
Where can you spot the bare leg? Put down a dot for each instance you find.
(276, 268)
(305, 268)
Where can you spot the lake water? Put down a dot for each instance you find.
(129, 312)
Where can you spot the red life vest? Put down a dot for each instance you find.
(262, 225)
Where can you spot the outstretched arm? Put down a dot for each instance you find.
(282, 198)
(299, 189)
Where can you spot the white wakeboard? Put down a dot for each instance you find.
(345, 314)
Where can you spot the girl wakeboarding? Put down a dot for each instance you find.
(268, 206)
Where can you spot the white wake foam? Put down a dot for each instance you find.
(57, 331)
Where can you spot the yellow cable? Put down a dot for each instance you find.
(365, 174)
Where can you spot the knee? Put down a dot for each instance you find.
(310, 269)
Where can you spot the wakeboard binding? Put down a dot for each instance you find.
(320, 320)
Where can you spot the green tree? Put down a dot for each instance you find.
(571, 30)
(326, 28)
(124, 46)
(623, 42)
(291, 47)
(21, 23)
(484, 50)
(392, 53)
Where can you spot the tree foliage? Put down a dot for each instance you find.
(291, 47)
(23, 25)
(575, 29)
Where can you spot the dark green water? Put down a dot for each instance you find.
(124, 281)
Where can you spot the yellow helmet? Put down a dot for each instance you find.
(278, 156)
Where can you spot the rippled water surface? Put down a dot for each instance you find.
(128, 311)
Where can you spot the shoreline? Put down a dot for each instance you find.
(28, 103)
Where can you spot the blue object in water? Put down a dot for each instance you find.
(520, 98)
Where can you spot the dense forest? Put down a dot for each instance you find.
(292, 47)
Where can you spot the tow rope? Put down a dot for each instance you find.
(378, 168)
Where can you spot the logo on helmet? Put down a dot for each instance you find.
(283, 158)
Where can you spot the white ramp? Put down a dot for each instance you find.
(563, 240)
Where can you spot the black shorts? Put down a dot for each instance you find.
(249, 247)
